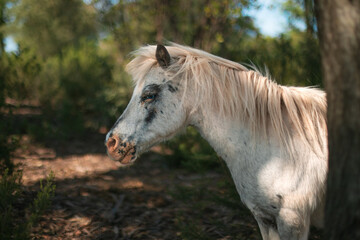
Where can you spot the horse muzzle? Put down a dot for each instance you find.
(122, 151)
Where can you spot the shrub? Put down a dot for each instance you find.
(13, 223)
(71, 87)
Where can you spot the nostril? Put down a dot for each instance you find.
(112, 144)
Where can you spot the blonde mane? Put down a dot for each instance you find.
(234, 91)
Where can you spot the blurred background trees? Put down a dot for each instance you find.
(71, 54)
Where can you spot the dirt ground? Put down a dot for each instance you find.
(97, 199)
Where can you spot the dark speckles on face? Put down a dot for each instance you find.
(172, 88)
(150, 116)
(130, 138)
(153, 88)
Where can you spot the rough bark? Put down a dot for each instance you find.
(339, 32)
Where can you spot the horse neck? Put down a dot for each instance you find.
(231, 139)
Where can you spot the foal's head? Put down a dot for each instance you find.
(155, 113)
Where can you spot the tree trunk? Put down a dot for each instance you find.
(161, 6)
(309, 17)
(339, 32)
(2, 23)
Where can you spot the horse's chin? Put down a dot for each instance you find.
(125, 159)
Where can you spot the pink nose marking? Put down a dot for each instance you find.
(112, 144)
(118, 150)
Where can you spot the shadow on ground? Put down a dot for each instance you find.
(146, 201)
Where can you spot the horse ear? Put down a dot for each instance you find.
(162, 56)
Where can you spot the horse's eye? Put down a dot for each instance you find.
(148, 98)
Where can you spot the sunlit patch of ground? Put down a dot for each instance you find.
(37, 161)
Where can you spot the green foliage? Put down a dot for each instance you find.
(13, 225)
(292, 59)
(72, 88)
(9, 188)
(300, 10)
(294, 8)
(3, 20)
(8, 142)
(204, 24)
(42, 201)
(7, 146)
(22, 75)
(49, 26)
(73, 54)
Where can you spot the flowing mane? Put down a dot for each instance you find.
(234, 91)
